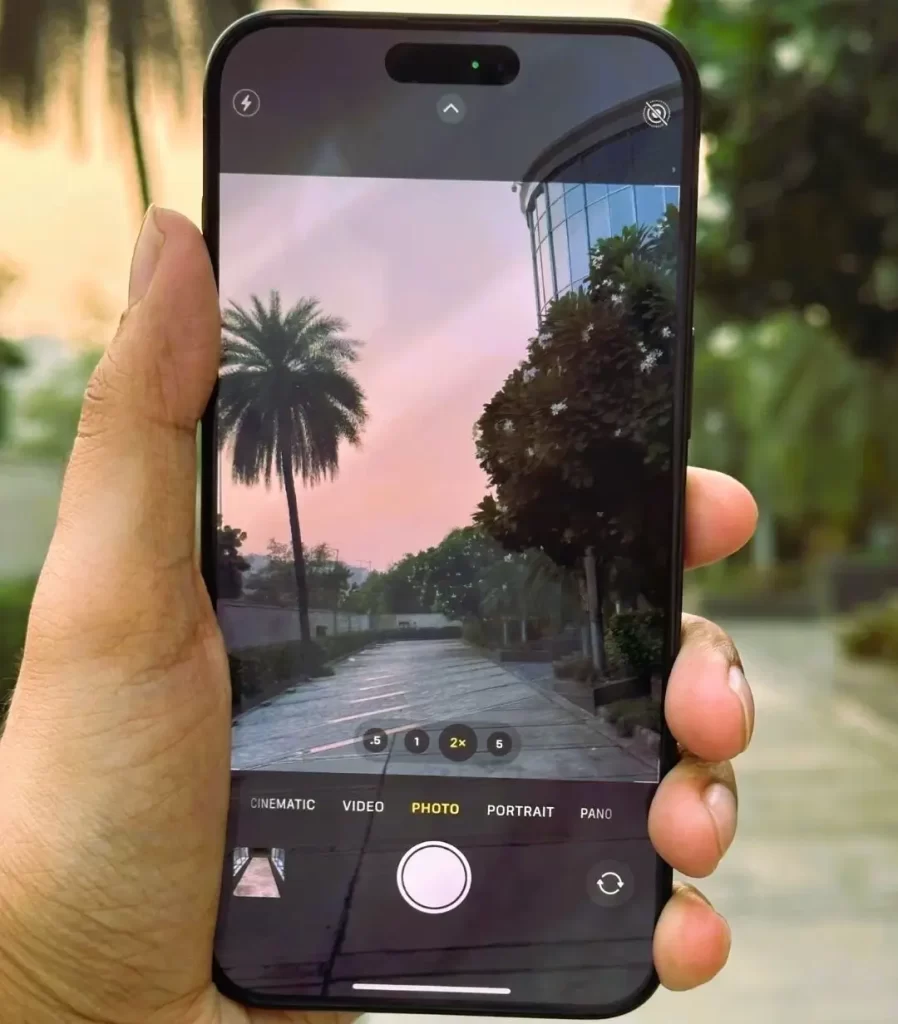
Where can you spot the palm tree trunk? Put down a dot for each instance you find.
(299, 562)
(137, 145)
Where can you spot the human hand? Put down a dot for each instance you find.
(114, 766)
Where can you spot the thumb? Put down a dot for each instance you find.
(126, 523)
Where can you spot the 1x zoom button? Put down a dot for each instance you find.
(434, 877)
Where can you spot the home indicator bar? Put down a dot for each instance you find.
(370, 986)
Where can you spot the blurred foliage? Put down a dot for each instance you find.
(786, 408)
(872, 631)
(799, 101)
(45, 44)
(12, 359)
(47, 414)
(15, 602)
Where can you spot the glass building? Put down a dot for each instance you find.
(566, 217)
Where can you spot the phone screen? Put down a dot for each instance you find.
(446, 468)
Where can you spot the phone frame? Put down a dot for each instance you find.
(682, 365)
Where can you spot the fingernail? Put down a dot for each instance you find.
(146, 257)
(740, 687)
(721, 804)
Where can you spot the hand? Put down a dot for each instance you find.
(114, 766)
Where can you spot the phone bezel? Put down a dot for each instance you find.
(682, 371)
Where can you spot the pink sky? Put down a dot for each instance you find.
(436, 278)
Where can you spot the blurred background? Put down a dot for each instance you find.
(796, 393)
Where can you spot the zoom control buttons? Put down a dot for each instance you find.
(434, 877)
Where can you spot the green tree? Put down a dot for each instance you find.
(286, 403)
(577, 441)
(799, 103)
(452, 571)
(327, 578)
(519, 586)
(41, 41)
(230, 562)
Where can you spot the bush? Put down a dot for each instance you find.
(626, 715)
(15, 603)
(263, 671)
(634, 642)
(872, 632)
(259, 672)
(474, 633)
(576, 667)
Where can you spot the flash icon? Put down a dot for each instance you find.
(247, 103)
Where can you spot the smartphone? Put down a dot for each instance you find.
(443, 489)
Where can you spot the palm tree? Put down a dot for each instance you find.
(286, 402)
(39, 42)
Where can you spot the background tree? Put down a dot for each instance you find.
(48, 413)
(286, 403)
(799, 105)
(274, 583)
(42, 43)
(12, 360)
(452, 571)
(231, 565)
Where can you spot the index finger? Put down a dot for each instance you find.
(721, 516)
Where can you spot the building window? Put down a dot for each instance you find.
(574, 200)
(599, 222)
(622, 209)
(561, 258)
(545, 259)
(594, 193)
(579, 244)
(650, 205)
(671, 196)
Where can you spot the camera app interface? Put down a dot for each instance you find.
(446, 479)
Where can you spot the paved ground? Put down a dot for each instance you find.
(258, 881)
(811, 885)
(431, 684)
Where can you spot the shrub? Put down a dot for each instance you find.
(872, 631)
(575, 667)
(626, 715)
(258, 671)
(15, 603)
(473, 632)
(269, 669)
(634, 642)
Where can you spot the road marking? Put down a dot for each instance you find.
(366, 714)
(378, 696)
(357, 739)
(370, 986)
(377, 686)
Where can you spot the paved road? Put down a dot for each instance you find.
(811, 885)
(421, 683)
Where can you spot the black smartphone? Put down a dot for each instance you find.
(443, 489)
